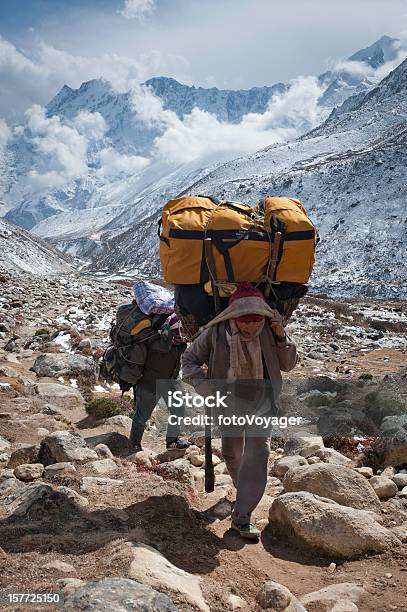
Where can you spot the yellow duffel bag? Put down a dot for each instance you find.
(241, 245)
(298, 238)
(242, 238)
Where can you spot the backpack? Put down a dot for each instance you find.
(271, 245)
(242, 237)
(123, 361)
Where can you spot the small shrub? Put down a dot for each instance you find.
(366, 376)
(42, 331)
(102, 408)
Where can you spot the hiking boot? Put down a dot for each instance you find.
(177, 444)
(248, 531)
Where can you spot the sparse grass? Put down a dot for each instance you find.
(105, 407)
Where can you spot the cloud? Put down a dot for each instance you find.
(201, 135)
(362, 70)
(90, 125)
(136, 9)
(35, 75)
(5, 134)
(61, 151)
(113, 164)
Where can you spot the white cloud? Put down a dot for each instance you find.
(113, 164)
(136, 9)
(61, 151)
(201, 135)
(90, 125)
(5, 134)
(35, 75)
(361, 70)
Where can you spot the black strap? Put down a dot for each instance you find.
(162, 238)
(237, 234)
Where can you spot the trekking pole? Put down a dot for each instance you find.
(209, 471)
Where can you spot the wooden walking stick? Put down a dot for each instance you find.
(209, 471)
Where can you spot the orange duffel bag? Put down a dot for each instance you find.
(242, 238)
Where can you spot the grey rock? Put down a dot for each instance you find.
(65, 446)
(20, 502)
(120, 420)
(282, 465)
(65, 467)
(327, 598)
(400, 479)
(330, 455)
(306, 446)
(276, 597)
(178, 470)
(120, 595)
(383, 486)
(151, 567)
(29, 471)
(98, 483)
(24, 454)
(103, 467)
(322, 524)
(79, 500)
(64, 364)
(103, 451)
(61, 395)
(335, 482)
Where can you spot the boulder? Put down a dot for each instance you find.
(176, 470)
(103, 467)
(150, 567)
(29, 471)
(367, 472)
(306, 446)
(118, 594)
(400, 479)
(103, 451)
(65, 446)
(330, 455)
(65, 468)
(383, 487)
(276, 597)
(72, 495)
(118, 444)
(327, 598)
(403, 493)
(145, 458)
(120, 420)
(54, 365)
(60, 395)
(20, 502)
(282, 465)
(391, 446)
(335, 482)
(344, 420)
(335, 530)
(24, 454)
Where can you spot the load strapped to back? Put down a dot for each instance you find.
(203, 239)
(137, 325)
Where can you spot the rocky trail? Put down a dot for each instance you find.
(82, 515)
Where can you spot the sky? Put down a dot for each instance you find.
(225, 43)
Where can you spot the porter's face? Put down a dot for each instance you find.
(248, 329)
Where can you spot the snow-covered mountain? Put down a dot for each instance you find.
(350, 173)
(88, 170)
(20, 251)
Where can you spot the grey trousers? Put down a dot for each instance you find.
(246, 458)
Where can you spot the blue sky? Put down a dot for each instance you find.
(224, 43)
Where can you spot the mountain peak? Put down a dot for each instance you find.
(380, 52)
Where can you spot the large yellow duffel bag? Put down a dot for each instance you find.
(242, 236)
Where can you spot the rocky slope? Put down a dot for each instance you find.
(82, 515)
(21, 251)
(349, 173)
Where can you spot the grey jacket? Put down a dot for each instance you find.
(211, 348)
